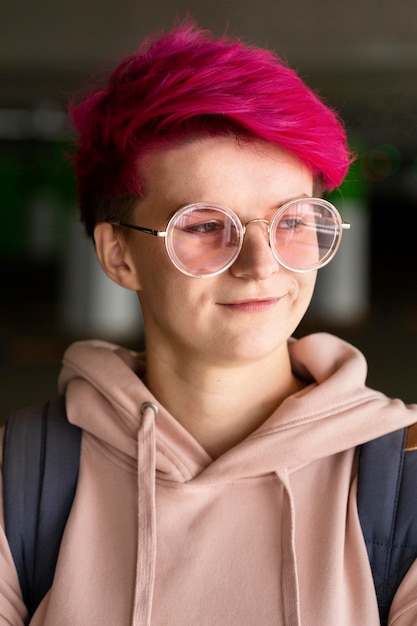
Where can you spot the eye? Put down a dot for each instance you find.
(204, 228)
(290, 223)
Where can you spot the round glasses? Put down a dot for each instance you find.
(204, 239)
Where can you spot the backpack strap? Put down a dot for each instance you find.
(387, 506)
(41, 454)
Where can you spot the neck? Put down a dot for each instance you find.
(221, 406)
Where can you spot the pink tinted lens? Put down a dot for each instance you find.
(305, 235)
(203, 240)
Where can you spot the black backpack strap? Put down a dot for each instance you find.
(387, 506)
(40, 469)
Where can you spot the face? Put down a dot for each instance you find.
(249, 311)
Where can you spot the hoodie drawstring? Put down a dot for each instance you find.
(146, 556)
(290, 591)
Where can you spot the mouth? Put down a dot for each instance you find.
(252, 306)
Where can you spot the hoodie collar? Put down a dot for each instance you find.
(334, 412)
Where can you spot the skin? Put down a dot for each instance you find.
(217, 354)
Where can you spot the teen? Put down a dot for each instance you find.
(218, 470)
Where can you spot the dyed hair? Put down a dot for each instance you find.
(187, 83)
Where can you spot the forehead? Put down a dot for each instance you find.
(225, 170)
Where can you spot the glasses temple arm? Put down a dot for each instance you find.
(148, 231)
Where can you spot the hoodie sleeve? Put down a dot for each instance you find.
(12, 609)
(404, 607)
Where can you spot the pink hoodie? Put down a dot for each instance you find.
(266, 535)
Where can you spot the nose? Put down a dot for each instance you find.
(255, 259)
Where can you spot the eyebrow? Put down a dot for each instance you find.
(276, 207)
(302, 196)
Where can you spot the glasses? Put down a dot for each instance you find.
(204, 239)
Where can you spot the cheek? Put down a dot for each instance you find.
(311, 283)
(152, 264)
(165, 291)
(160, 278)
(306, 284)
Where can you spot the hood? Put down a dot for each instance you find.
(334, 412)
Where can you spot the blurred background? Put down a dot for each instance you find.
(360, 57)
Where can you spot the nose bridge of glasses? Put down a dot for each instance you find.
(257, 220)
(254, 220)
(263, 235)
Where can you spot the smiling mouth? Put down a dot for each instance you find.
(251, 306)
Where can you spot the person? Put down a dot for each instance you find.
(218, 469)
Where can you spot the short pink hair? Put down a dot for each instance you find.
(188, 83)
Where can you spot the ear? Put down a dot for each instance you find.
(114, 256)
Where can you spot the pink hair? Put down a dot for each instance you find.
(187, 83)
